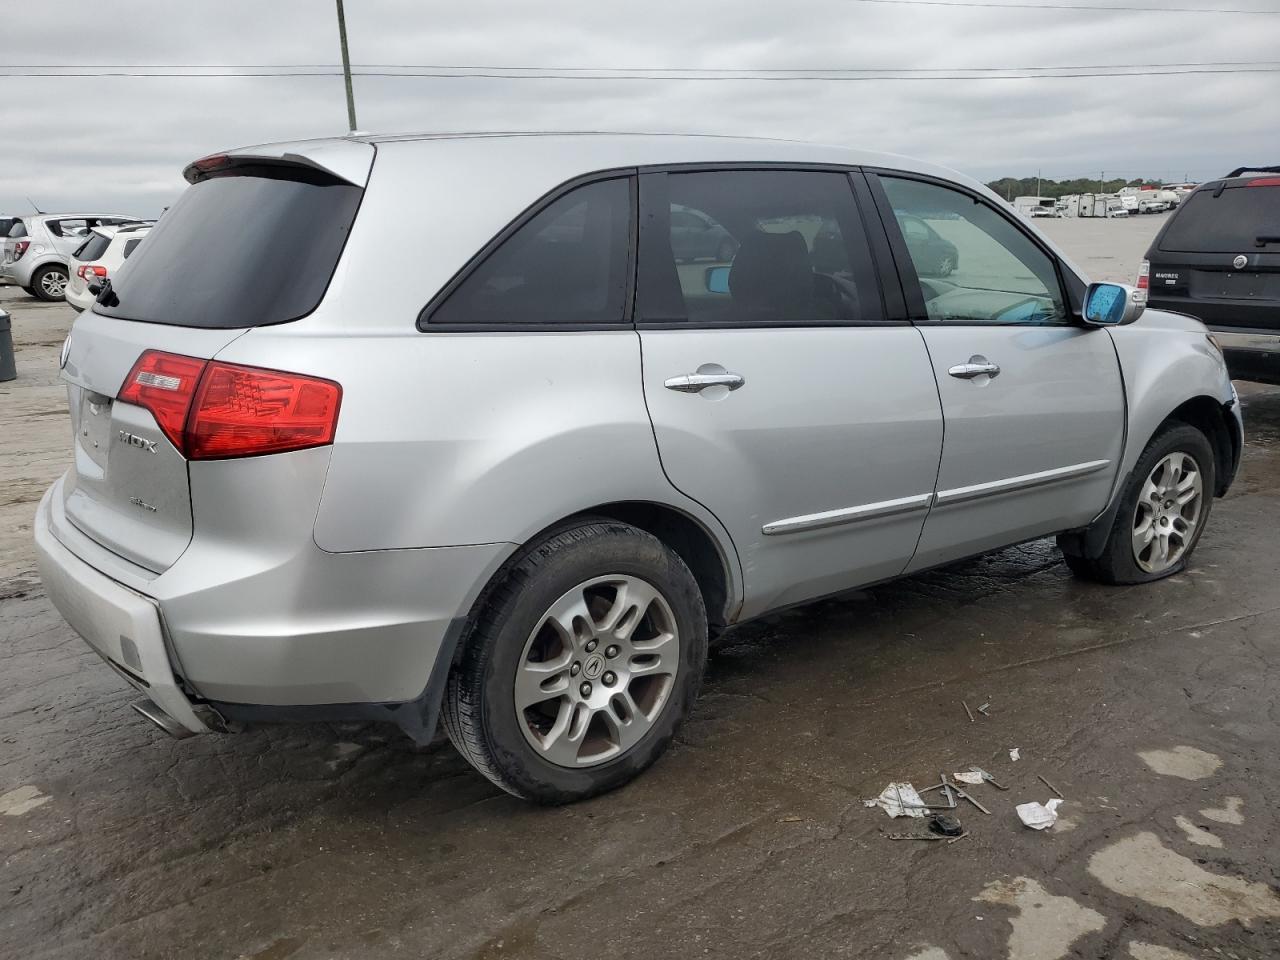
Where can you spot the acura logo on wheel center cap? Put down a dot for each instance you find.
(593, 667)
(1240, 262)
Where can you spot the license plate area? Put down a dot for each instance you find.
(94, 434)
(1240, 286)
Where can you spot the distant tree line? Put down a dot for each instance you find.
(1010, 187)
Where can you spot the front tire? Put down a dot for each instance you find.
(49, 283)
(1163, 511)
(581, 665)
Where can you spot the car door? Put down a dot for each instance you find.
(784, 397)
(1032, 399)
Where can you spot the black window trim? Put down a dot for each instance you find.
(426, 325)
(1072, 293)
(888, 318)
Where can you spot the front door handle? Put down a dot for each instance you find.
(697, 382)
(978, 366)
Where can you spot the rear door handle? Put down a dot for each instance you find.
(697, 382)
(978, 366)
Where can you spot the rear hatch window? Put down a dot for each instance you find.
(248, 247)
(93, 248)
(1231, 222)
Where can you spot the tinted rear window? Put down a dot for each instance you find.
(130, 246)
(251, 247)
(1230, 223)
(93, 248)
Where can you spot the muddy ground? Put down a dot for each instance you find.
(1154, 710)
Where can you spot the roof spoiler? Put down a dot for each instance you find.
(1239, 170)
(348, 160)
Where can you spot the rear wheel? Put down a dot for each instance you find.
(49, 283)
(1162, 514)
(581, 665)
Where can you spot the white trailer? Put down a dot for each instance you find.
(1036, 206)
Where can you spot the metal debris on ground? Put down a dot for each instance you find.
(985, 708)
(1039, 816)
(967, 710)
(971, 777)
(1051, 787)
(983, 775)
(901, 800)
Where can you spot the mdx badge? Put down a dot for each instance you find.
(1240, 262)
(133, 440)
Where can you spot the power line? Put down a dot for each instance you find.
(605, 70)
(1067, 6)
(887, 74)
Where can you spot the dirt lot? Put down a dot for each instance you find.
(1154, 710)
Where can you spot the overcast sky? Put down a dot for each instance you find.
(119, 144)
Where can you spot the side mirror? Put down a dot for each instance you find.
(1113, 304)
(717, 279)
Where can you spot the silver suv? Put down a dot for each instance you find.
(514, 474)
(37, 249)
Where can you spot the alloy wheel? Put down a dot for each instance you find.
(1167, 513)
(597, 671)
(54, 283)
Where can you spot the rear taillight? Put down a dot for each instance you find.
(1144, 275)
(19, 248)
(211, 410)
(91, 269)
(1264, 182)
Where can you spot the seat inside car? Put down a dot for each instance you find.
(772, 278)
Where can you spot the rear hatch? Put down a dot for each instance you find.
(250, 243)
(16, 232)
(1218, 257)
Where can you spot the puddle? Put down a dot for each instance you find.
(1046, 925)
(929, 953)
(1185, 762)
(1149, 951)
(22, 800)
(1143, 868)
(1229, 812)
(1197, 835)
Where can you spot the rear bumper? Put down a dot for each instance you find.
(267, 626)
(1251, 355)
(120, 625)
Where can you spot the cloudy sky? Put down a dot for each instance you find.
(119, 143)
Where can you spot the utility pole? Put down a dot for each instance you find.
(1102, 174)
(1037, 183)
(346, 69)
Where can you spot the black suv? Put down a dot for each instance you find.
(1218, 259)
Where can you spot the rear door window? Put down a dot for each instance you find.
(93, 248)
(568, 264)
(130, 246)
(753, 247)
(1230, 223)
(252, 246)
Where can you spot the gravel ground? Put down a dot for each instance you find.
(1154, 710)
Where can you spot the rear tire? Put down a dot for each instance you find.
(49, 283)
(1154, 534)
(581, 664)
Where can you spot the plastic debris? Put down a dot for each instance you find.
(1015, 754)
(945, 825)
(901, 800)
(985, 708)
(1039, 816)
(971, 777)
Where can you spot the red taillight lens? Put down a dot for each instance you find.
(20, 248)
(1144, 275)
(91, 268)
(211, 410)
(164, 384)
(1264, 182)
(244, 411)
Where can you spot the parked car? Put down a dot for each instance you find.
(38, 248)
(98, 258)
(409, 480)
(1116, 210)
(695, 236)
(1217, 258)
(934, 255)
(1152, 206)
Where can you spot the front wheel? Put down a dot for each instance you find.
(1163, 512)
(581, 665)
(49, 283)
